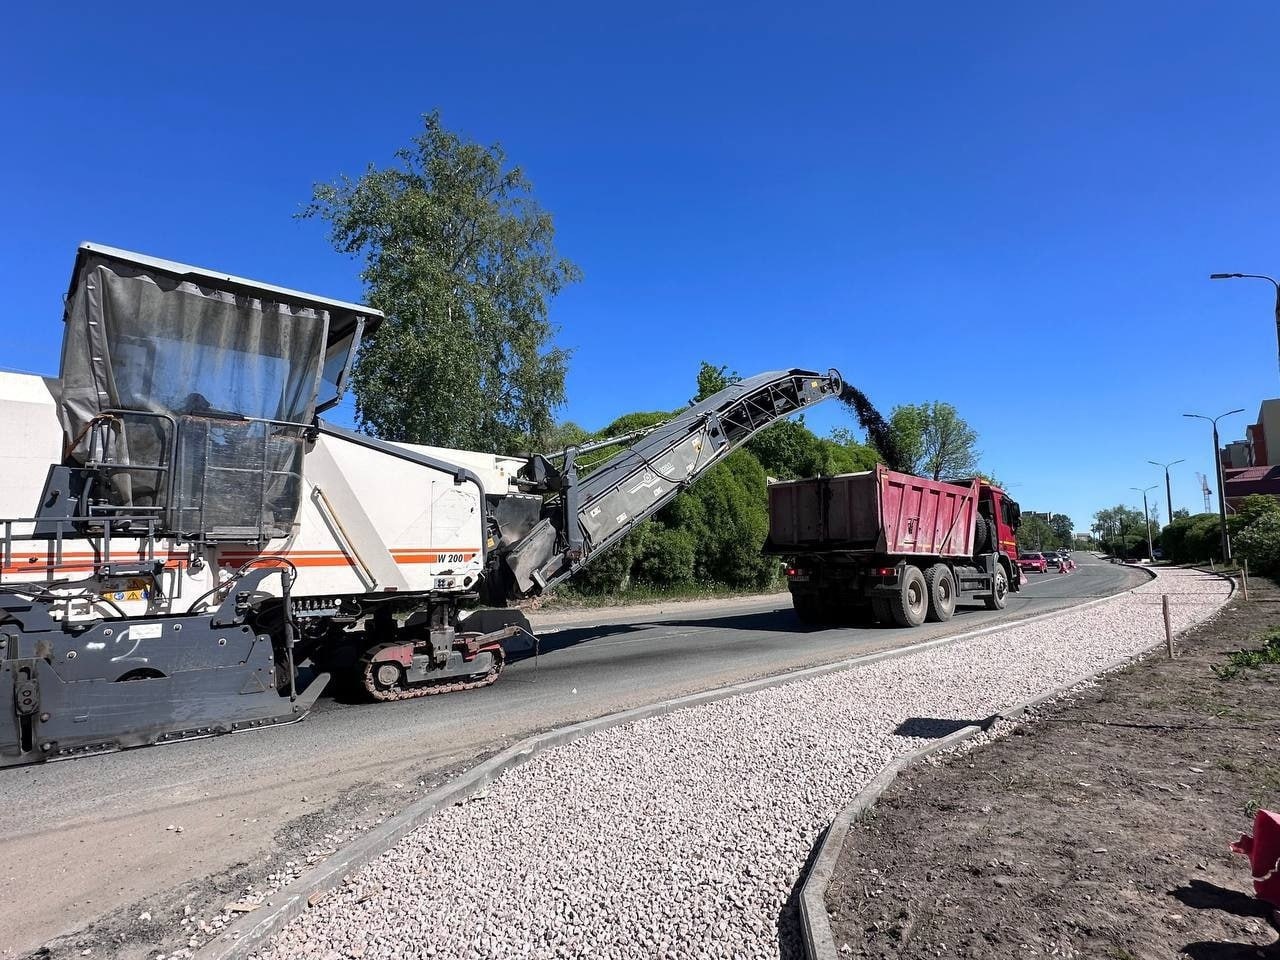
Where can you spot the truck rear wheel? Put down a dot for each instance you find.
(942, 592)
(910, 604)
(999, 589)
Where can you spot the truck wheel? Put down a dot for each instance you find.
(880, 611)
(809, 608)
(942, 592)
(911, 603)
(999, 589)
(981, 535)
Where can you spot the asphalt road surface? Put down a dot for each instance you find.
(89, 837)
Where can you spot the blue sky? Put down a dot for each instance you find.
(1005, 206)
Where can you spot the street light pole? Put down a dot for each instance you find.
(1217, 467)
(1168, 490)
(1146, 515)
(1257, 276)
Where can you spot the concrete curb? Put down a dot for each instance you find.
(815, 925)
(242, 937)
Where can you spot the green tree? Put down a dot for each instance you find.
(1035, 534)
(1256, 506)
(786, 449)
(564, 434)
(906, 426)
(460, 256)
(935, 440)
(713, 379)
(789, 450)
(1122, 530)
(1063, 529)
(863, 455)
(1192, 539)
(727, 515)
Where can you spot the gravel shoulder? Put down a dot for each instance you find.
(1098, 829)
(685, 835)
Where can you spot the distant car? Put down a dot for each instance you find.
(1033, 561)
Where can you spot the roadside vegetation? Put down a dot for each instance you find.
(1254, 529)
(1251, 658)
(1037, 533)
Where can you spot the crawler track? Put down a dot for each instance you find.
(379, 688)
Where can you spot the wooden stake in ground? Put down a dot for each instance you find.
(1168, 625)
(1244, 577)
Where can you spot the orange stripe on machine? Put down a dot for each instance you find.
(81, 562)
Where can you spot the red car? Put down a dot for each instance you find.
(1033, 561)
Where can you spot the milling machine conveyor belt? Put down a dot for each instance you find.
(634, 484)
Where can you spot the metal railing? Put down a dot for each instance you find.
(102, 532)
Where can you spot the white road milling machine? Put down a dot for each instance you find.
(189, 550)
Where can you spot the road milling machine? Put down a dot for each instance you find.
(190, 550)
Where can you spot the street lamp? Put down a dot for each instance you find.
(1168, 490)
(1151, 554)
(1217, 472)
(1256, 276)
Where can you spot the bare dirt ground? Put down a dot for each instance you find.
(1097, 830)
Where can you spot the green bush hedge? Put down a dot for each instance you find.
(1254, 530)
(1259, 543)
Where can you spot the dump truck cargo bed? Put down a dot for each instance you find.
(879, 511)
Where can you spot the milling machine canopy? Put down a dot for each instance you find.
(186, 394)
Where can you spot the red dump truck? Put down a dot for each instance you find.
(903, 548)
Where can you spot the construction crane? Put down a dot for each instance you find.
(192, 550)
(1205, 491)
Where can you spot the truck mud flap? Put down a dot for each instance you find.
(51, 718)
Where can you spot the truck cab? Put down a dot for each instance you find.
(1005, 516)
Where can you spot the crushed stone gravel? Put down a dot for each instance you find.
(686, 835)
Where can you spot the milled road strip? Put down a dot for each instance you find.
(684, 834)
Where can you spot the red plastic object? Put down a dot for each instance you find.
(1263, 851)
